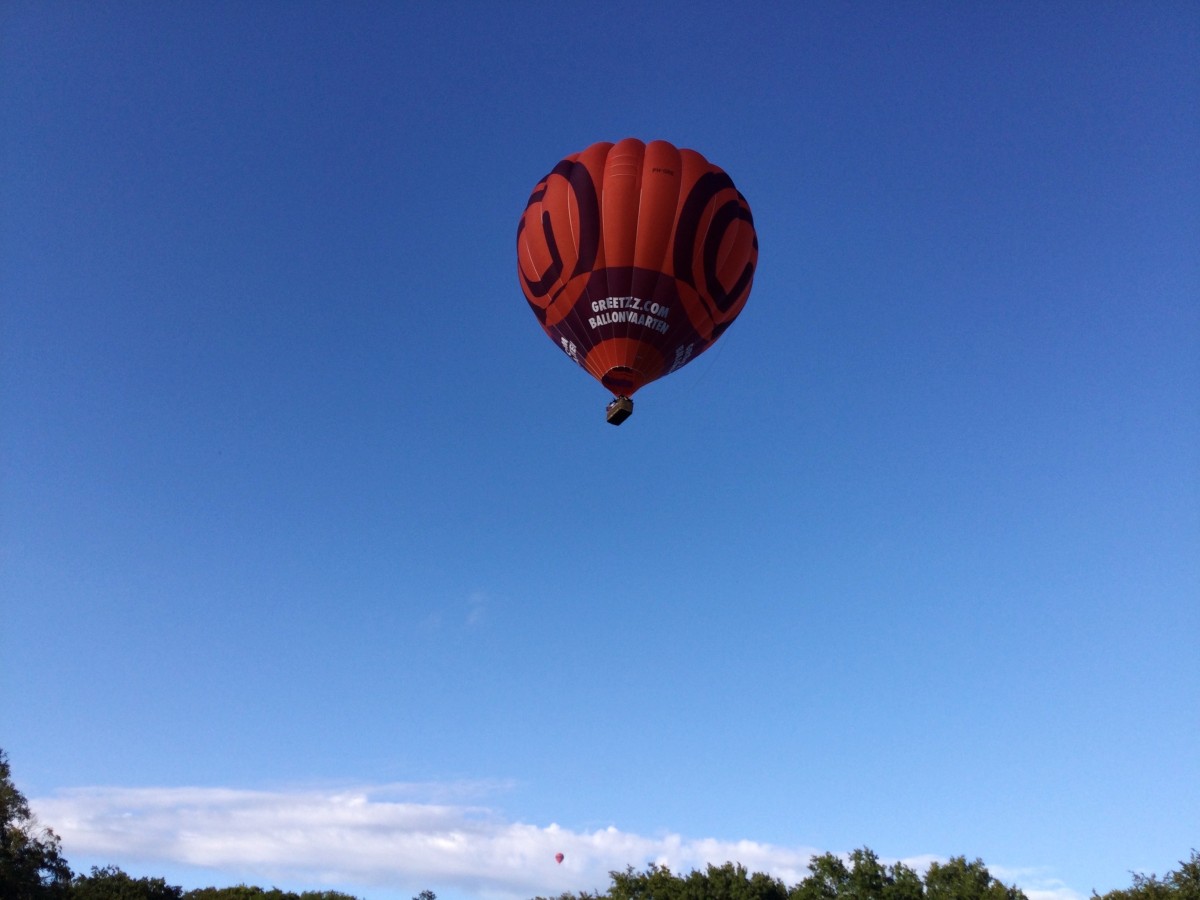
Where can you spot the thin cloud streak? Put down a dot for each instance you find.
(349, 838)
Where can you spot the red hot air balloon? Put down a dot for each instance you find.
(635, 258)
(558, 858)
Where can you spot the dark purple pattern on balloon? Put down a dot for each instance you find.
(727, 214)
(707, 187)
(542, 287)
(584, 190)
(588, 204)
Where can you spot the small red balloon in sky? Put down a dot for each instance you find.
(558, 858)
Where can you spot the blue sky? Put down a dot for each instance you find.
(320, 567)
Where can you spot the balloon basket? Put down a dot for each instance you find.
(619, 410)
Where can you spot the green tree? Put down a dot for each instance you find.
(961, 880)
(1187, 879)
(247, 892)
(656, 883)
(110, 883)
(864, 877)
(31, 862)
(827, 879)
(730, 881)
(1182, 884)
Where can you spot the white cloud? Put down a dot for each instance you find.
(1036, 884)
(367, 837)
(379, 837)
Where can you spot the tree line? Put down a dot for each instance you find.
(864, 877)
(32, 867)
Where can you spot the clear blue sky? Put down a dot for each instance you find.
(320, 567)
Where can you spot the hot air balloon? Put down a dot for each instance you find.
(558, 858)
(635, 258)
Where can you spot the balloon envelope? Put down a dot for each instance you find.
(558, 858)
(635, 258)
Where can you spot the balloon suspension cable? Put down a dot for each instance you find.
(619, 410)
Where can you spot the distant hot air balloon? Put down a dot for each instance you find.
(558, 858)
(635, 258)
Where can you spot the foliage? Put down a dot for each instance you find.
(245, 892)
(1182, 884)
(961, 880)
(865, 878)
(726, 882)
(31, 863)
(110, 883)
(830, 878)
